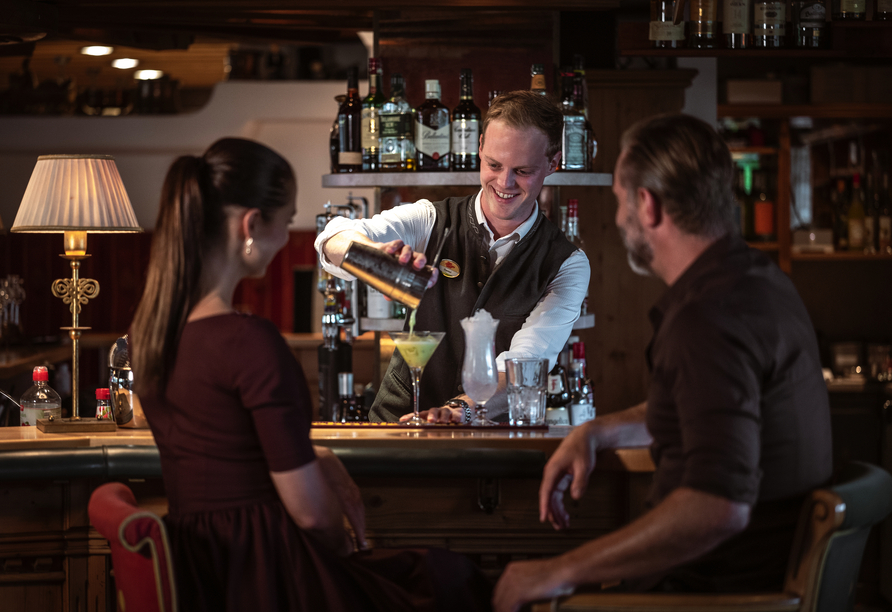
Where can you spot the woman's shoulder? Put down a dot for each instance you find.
(245, 329)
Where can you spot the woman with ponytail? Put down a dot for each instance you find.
(256, 513)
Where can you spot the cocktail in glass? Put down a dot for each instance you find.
(416, 349)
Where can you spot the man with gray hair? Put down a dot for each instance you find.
(737, 415)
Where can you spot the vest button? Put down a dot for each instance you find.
(480, 285)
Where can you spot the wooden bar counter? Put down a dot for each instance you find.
(464, 489)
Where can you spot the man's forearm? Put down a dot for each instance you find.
(686, 525)
(336, 247)
(621, 429)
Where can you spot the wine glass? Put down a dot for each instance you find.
(479, 376)
(416, 349)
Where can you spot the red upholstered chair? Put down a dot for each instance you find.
(140, 552)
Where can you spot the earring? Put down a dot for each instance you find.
(248, 243)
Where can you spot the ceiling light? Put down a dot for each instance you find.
(97, 50)
(148, 75)
(125, 62)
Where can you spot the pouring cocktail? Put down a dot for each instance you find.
(416, 349)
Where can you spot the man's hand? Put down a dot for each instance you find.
(526, 581)
(572, 462)
(406, 256)
(439, 415)
(346, 491)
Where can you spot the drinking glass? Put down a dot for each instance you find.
(416, 349)
(479, 376)
(527, 380)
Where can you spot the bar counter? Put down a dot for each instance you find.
(468, 490)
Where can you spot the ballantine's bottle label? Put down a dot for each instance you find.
(432, 141)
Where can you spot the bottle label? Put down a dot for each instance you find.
(350, 158)
(573, 144)
(538, 83)
(856, 233)
(770, 19)
(813, 15)
(763, 218)
(581, 413)
(666, 30)
(377, 306)
(737, 19)
(555, 384)
(465, 136)
(433, 142)
(852, 6)
(395, 125)
(370, 128)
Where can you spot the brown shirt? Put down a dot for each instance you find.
(737, 406)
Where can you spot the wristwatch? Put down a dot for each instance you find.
(460, 403)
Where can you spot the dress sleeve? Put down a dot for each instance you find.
(273, 388)
(716, 386)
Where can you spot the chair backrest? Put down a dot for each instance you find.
(831, 535)
(140, 552)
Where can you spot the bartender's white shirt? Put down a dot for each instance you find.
(550, 323)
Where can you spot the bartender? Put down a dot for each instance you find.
(500, 254)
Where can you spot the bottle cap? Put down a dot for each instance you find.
(573, 207)
(466, 73)
(39, 374)
(352, 78)
(103, 394)
(578, 350)
(432, 88)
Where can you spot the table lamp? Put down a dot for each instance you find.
(75, 195)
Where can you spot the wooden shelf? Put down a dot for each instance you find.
(846, 110)
(429, 179)
(586, 321)
(764, 246)
(841, 256)
(754, 150)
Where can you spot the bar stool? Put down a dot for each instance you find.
(822, 570)
(141, 557)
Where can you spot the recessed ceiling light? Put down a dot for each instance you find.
(148, 75)
(125, 62)
(97, 50)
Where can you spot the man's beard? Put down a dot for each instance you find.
(639, 253)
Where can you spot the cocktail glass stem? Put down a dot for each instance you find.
(416, 396)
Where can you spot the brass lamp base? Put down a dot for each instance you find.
(75, 425)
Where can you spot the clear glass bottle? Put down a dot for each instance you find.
(573, 224)
(663, 32)
(582, 406)
(580, 98)
(769, 23)
(466, 127)
(737, 23)
(103, 404)
(809, 19)
(849, 10)
(350, 127)
(40, 401)
(702, 27)
(574, 147)
(371, 126)
(349, 410)
(432, 130)
(397, 141)
(537, 76)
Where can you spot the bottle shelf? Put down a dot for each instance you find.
(842, 256)
(586, 321)
(431, 179)
(842, 110)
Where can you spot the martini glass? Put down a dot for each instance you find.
(416, 349)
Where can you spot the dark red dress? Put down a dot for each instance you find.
(236, 408)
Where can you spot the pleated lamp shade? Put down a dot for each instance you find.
(75, 193)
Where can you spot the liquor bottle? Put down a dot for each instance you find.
(580, 98)
(702, 27)
(582, 404)
(849, 10)
(871, 210)
(663, 32)
(557, 397)
(397, 142)
(334, 138)
(103, 404)
(432, 130)
(349, 410)
(882, 10)
(350, 127)
(573, 224)
(763, 211)
(377, 306)
(466, 126)
(884, 221)
(537, 73)
(371, 126)
(769, 23)
(737, 23)
(809, 19)
(856, 216)
(40, 401)
(574, 147)
(840, 203)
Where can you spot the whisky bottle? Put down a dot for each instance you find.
(371, 126)
(737, 23)
(432, 130)
(580, 98)
(574, 148)
(849, 10)
(397, 142)
(809, 18)
(573, 224)
(466, 127)
(769, 23)
(537, 74)
(884, 219)
(856, 216)
(763, 210)
(663, 32)
(702, 27)
(350, 127)
(882, 10)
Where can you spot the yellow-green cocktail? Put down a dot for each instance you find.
(416, 349)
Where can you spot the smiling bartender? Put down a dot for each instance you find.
(501, 255)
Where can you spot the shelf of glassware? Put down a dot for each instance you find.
(586, 321)
(428, 179)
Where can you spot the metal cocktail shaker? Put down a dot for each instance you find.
(385, 273)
